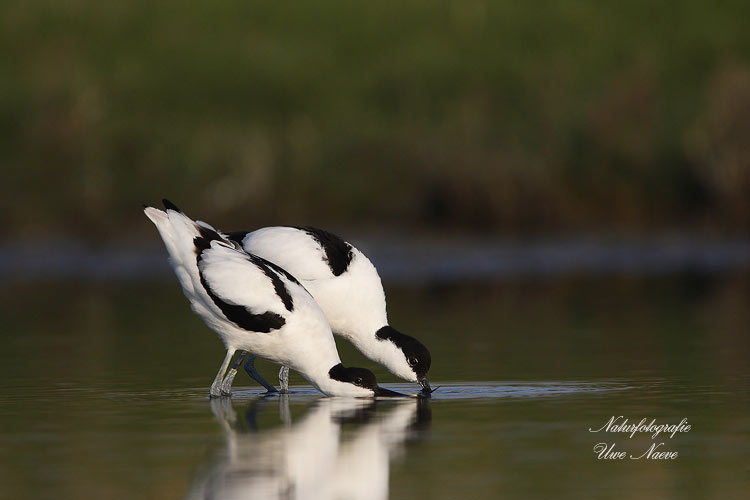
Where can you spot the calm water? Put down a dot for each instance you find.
(103, 395)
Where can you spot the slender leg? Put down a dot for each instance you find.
(250, 369)
(284, 379)
(226, 385)
(216, 386)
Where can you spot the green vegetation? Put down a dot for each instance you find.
(505, 116)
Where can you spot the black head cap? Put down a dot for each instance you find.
(361, 377)
(415, 352)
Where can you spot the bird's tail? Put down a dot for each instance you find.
(182, 237)
(176, 229)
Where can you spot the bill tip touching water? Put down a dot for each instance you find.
(348, 288)
(259, 309)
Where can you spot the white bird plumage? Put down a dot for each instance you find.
(256, 308)
(338, 448)
(348, 288)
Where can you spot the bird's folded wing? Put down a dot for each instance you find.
(235, 279)
(294, 249)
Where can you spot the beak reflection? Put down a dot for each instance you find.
(382, 392)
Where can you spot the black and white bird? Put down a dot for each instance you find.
(347, 287)
(257, 308)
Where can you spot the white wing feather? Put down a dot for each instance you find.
(235, 279)
(293, 249)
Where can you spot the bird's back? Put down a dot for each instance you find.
(251, 303)
(294, 249)
(343, 281)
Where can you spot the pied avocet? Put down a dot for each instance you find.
(347, 287)
(257, 308)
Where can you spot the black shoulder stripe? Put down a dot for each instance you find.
(203, 242)
(338, 252)
(283, 271)
(239, 314)
(237, 236)
(243, 318)
(281, 290)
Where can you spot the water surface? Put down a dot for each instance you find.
(103, 390)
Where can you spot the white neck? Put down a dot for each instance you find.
(363, 311)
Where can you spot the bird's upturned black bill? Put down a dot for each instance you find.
(426, 389)
(382, 392)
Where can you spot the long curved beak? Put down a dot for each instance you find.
(382, 392)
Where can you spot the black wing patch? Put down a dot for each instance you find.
(243, 318)
(237, 236)
(280, 270)
(203, 242)
(239, 315)
(338, 252)
(268, 269)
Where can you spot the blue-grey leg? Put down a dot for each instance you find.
(226, 384)
(250, 369)
(284, 379)
(215, 391)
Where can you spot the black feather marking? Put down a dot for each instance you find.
(237, 236)
(270, 270)
(240, 316)
(237, 314)
(361, 377)
(283, 271)
(170, 206)
(338, 253)
(203, 242)
(416, 353)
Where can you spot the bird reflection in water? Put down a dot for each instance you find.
(340, 448)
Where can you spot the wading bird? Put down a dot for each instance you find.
(347, 287)
(257, 308)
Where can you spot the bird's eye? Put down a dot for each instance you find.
(358, 380)
(412, 361)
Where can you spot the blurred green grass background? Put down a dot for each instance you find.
(504, 117)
